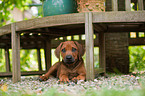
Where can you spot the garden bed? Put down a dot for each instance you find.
(122, 85)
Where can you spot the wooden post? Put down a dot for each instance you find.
(114, 5)
(102, 59)
(8, 69)
(140, 5)
(47, 54)
(127, 5)
(39, 59)
(89, 42)
(16, 73)
(137, 34)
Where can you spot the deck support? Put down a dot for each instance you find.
(8, 69)
(127, 5)
(114, 5)
(39, 59)
(102, 58)
(16, 73)
(47, 51)
(140, 5)
(89, 42)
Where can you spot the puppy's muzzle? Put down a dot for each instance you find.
(69, 59)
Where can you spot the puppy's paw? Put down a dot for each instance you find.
(42, 78)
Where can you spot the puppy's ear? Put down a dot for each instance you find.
(81, 49)
(57, 50)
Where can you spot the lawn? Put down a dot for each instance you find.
(114, 85)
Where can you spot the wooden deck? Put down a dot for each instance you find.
(38, 33)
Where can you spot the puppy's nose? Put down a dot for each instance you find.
(69, 57)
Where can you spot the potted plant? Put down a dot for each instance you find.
(57, 7)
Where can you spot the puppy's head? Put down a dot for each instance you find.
(70, 51)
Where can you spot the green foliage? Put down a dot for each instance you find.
(54, 92)
(137, 58)
(28, 60)
(2, 61)
(7, 5)
(113, 92)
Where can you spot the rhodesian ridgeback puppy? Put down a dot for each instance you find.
(72, 65)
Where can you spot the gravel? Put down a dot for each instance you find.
(31, 85)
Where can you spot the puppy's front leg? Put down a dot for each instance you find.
(63, 78)
(51, 70)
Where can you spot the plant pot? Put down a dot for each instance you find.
(57, 7)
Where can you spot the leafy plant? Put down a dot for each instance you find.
(137, 58)
(7, 5)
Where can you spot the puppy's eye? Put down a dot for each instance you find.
(74, 49)
(63, 50)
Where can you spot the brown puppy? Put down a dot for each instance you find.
(72, 66)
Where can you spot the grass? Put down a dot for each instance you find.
(90, 92)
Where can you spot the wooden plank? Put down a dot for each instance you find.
(49, 21)
(136, 41)
(114, 5)
(140, 5)
(15, 54)
(5, 29)
(99, 28)
(89, 42)
(121, 16)
(47, 51)
(24, 73)
(137, 34)
(8, 69)
(102, 58)
(128, 5)
(39, 59)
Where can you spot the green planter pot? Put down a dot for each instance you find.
(57, 7)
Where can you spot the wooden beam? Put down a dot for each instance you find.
(128, 5)
(5, 29)
(136, 41)
(99, 28)
(89, 46)
(114, 5)
(140, 5)
(119, 17)
(15, 54)
(24, 73)
(47, 51)
(39, 59)
(8, 69)
(102, 59)
(49, 21)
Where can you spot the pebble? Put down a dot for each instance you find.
(31, 85)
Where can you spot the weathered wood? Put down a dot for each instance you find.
(47, 51)
(140, 5)
(5, 29)
(7, 58)
(15, 54)
(89, 42)
(128, 5)
(118, 17)
(102, 58)
(114, 5)
(39, 59)
(136, 41)
(99, 28)
(9, 74)
(49, 21)
(137, 34)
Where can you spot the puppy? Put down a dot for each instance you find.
(72, 65)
